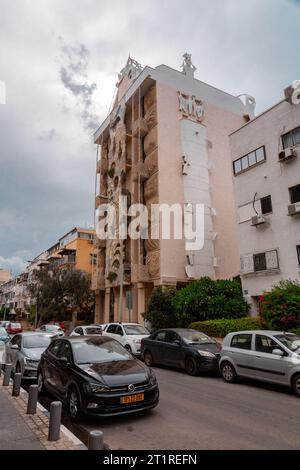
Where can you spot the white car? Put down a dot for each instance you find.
(86, 330)
(128, 334)
(51, 329)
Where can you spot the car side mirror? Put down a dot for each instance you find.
(278, 352)
(64, 360)
(14, 347)
(178, 342)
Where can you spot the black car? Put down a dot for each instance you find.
(95, 375)
(183, 348)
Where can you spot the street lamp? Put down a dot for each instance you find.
(120, 313)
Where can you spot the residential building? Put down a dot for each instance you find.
(266, 169)
(166, 142)
(5, 276)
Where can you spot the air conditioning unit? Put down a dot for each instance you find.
(257, 220)
(294, 209)
(287, 155)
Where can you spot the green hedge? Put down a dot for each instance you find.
(223, 326)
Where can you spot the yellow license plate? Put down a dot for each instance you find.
(132, 399)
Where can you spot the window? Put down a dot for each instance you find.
(241, 341)
(54, 347)
(171, 337)
(119, 331)
(17, 340)
(249, 160)
(265, 344)
(298, 253)
(291, 138)
(260, 263)
(64, 352)
(111, 329)
(295, 194)
(160, 336)
(79, 331)
(266, 205)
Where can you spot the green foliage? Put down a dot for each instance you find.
(60, 293)
(280, 308)
(160, 311)
(208, 299)
(220, 328)
(31, 312)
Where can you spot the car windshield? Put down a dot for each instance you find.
(53, 328)
(292, 342)
(135, 330)
(15, 325)
(95, 350)
(92, 330)
(195, 337)
(3, 331)
(36, 341)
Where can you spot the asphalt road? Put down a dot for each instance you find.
(205, 413)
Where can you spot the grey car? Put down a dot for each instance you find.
(24, 351)
(270, 356)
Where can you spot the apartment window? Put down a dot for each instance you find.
(260, 262)
(295, 194)
(298, 253)
(291, 138)
(249, 160)
(266, 205)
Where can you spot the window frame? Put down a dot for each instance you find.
(242, 334)
(298, 253)
(291, 134)
(247, 156)
(291, 193)
(265, 198)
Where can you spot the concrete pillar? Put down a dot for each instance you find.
(106, 305)
(141, 302)
(99, 307)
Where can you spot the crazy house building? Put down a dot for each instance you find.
(165, 142)
(266, 168)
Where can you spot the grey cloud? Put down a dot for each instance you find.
(75, 79)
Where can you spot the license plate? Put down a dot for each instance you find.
(132, 399)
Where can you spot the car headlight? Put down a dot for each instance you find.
(95, 388)
(206, 353)
(30, 362)
(152, 378)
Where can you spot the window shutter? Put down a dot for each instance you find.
(272, 259)
(247, 264)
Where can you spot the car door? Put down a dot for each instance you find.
(50, 369)
(268, 366)
(241, 352)
(119, 334)
(156, 346)
(111, 330)
(172, 350)
(63, 361)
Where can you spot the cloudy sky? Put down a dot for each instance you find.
(59, 60)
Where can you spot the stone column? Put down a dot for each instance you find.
(106, 305)
(141, 302)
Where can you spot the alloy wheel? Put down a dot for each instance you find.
(228, 372)
(191, 366)
(73, 404)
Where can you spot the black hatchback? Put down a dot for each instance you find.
(183, 348)
(96, 376)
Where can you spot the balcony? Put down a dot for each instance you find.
(65, 261)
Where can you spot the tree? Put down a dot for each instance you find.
(160, 312)
(59, 294)
(280, 308)
(206, 299)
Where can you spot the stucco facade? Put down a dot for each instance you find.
(267, 245)
(166, 142)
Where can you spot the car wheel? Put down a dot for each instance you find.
(296, 385)
(148, 359)
(228, 372)
(74, 404)
(40, 383)
(191, 366)
(128, 348)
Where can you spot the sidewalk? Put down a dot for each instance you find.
(15, 434)
(19, 431)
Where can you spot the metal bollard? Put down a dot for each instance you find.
(7, 374)
(17, 384)
(32, 400)
(54, 421)
(96, 440)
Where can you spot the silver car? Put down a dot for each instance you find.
(270, 356)
(24, 351)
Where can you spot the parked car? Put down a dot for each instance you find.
(4, 323)
(14, 328)
(52, 329)
(86, 330)
(24, 350)
(270, 356)
(183, 348)
(95, 375)
(4, 336)
(129, 335)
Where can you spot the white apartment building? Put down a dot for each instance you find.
(266, 169)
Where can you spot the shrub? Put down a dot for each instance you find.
(207, 299)
(280, 308)
(223, 326)
(160, 311)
